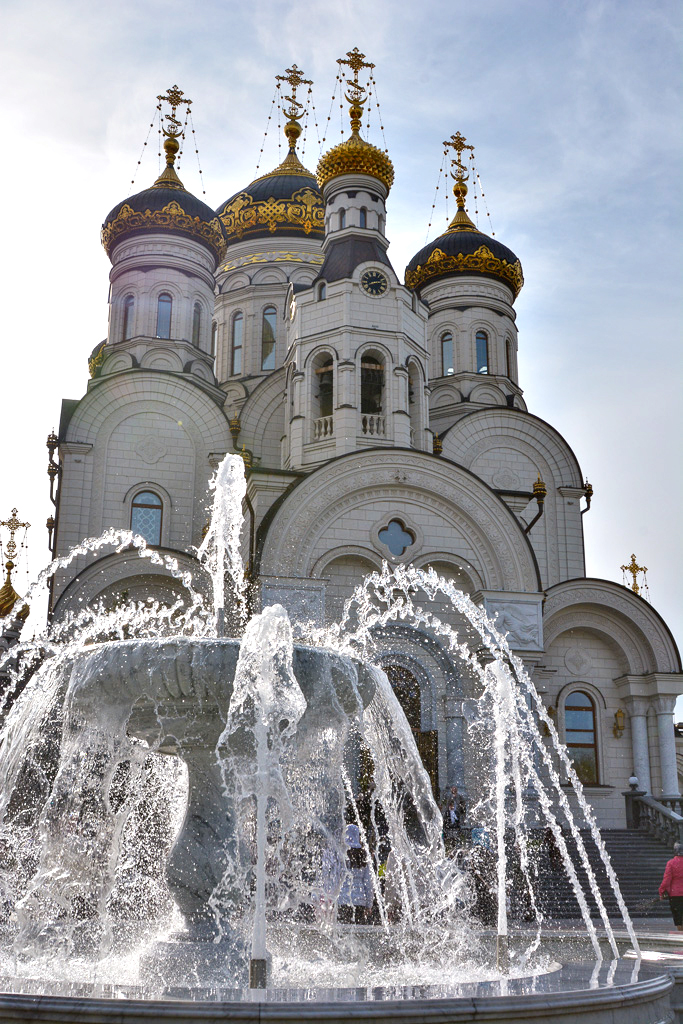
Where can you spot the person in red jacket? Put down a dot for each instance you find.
(672, 885)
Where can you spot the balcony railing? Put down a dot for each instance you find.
(373, 424)
(323, 427)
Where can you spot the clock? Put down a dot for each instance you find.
(374, 282)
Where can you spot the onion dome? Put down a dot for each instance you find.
(287, 201)
(356, 156)
(463, 249)
(166, 206)
(9, 596)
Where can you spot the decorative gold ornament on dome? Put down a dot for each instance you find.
(635, 570)
(480, 261)
(461, 222)
(355, 156)
(172, 131)
(8, 595)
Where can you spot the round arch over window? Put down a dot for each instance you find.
(145, 516)
(164, 309)
(128, 317)
(482, 341)
(580, 735)
(447, 355)
(196, 324)
(237, 336)
(268, 338)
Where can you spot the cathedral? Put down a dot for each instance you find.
(381, 418)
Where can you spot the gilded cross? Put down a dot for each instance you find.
(13, 524)
(634, 569)
(459, 143)
(356, 96)
(294, 77)
(175, 97)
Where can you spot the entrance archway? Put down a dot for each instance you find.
(407, 690)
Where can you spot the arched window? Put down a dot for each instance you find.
(128, 317)
(482, 340)
(145, 516)
(268, 338)
(164, 307)
(342, 218)
(447, 354)
(580, 735)
(371, 385)
(363, 217)
(380, 224)
(196, 323)
(322, 291)
(214, 337)
(323, 397)
(237, 334)
(509, 359)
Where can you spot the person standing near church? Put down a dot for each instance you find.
(672, 885)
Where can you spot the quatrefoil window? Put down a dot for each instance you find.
(396, 537)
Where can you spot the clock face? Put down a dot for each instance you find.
(374, 283)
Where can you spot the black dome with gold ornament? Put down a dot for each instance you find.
(463, 249)
(287, 201)
(166, 206)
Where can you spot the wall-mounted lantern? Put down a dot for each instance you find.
(619, 723)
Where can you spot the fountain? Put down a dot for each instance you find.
(198, 825)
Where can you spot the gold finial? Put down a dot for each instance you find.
(8, 595)
(539, 490)
(172, 132)
(634, 569)
(294, 77)
(356, 95)
(460, 174)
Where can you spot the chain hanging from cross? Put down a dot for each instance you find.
(634, 569)
(176, 98)
(294, 77)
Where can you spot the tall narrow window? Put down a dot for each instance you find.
(325, 378)
(342, 218)
(380, 224)
(482, 340)
(509, 357)
(237, 333)
(196, 323)
(371, 385)
(164, 307)
(363, 217)
(214, 337)
(268, 338)
(145, 516)
(447, 354)
(128, 317)
(579, 735)
(322, 291)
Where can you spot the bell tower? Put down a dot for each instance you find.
(357, 358)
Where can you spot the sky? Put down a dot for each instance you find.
(575, 109)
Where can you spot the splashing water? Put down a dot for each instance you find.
(272, 791)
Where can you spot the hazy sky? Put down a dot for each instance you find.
(575, 111)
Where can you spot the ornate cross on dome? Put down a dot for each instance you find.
(176, 98)
(459, 143)
(13, 524)
(634, 569)
(356, 61)
(294, 77)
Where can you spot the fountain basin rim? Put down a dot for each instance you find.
(565, 998)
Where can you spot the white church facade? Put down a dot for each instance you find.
(380, 418)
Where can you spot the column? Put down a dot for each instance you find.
(664, 707)
(637, 710)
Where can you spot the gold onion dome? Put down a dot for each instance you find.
(286, 201)
(9, 597)
(464, 249)
(166, 206)
(355, 156)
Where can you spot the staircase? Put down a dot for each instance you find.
(638, 861)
